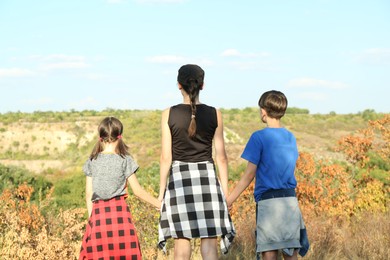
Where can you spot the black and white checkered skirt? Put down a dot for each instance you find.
(194, 205)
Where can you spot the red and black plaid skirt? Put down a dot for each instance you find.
(110, 233)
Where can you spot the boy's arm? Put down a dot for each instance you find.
(246, 179)
(141, 193)
(88, 194)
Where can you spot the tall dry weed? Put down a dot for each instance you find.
(26, 234)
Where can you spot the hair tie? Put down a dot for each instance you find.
(119, 136)
(192, 116)
(100, 139)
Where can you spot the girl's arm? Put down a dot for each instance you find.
(141, 193)
(166, 153)
(246, 179)
(88, 194)
(220, 155)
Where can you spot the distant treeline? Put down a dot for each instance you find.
(296, 110)
(59, 116)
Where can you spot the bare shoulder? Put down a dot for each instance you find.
(219, 114)
(165, 112)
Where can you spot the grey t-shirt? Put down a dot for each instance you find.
(109, 174)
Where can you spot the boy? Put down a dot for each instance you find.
(272, 154)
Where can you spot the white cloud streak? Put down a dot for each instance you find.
(16, 72)
(312, 96)
(39, 101)
(170, 59)
(249, 65)
(375, 56)
(115, 1)
(61, 61)
(178, 60)
(315, 83)
(65, 65)
(236, 53)
(160, 1)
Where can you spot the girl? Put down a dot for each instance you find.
(110, 233)
(194, 204)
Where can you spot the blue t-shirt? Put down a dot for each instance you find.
(274, 151)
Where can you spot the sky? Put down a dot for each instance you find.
(325, 55)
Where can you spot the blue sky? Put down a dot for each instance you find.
(124, 54)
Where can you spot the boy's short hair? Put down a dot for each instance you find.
(274, 103)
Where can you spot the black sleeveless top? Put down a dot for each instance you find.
(195, 149)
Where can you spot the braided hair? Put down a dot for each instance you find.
(191, 79)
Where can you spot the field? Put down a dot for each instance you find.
(343, 181)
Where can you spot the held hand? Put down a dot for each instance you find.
(157, 204)
(229, 203)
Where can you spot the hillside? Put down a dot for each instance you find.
(51, 141)
(345, 203)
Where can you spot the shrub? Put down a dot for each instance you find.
(11, 177)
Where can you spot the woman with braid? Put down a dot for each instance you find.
(193, 197)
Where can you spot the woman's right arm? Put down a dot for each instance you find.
(166, 153)
(88, 194)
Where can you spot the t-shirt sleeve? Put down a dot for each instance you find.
(130, 166)
(253, 149)
(87, 168)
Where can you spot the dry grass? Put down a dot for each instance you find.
(27, 234)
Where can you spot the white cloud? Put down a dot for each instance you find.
(171, 59)
(253, 65)
(313, 96)
(96, 76)
(39, 101)
(179, 60)
(159, 1)
(58, 57)
(201, 62)
(170, 96)
(310, 83)
(61, 61)
(244, 65)
(15, 72)
(65, 65)
(375, 56)
(85, 103)
(62, 57)
(230, 53)
(115, 1)
(236, 53)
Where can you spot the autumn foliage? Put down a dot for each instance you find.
(27, 234)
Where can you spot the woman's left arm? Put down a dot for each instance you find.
(220, 155)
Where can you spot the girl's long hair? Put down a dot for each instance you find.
(110, 130)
